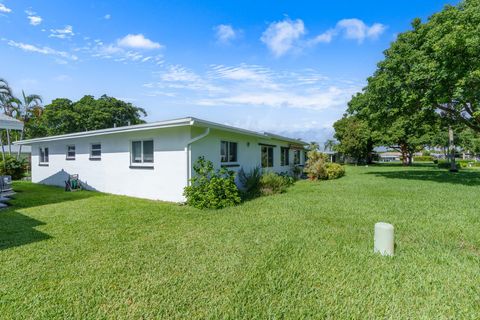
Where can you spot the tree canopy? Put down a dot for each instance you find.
(63, 116)
(428, 80)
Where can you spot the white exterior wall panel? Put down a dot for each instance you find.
(113, 174)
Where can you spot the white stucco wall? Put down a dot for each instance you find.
(112, 174)
(172, 158)
(248, 150)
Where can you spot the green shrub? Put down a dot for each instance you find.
(335, 171)
(444, 164)
(13, 167)
(272, 183)
(468, 163)
(315, 167)
(211, 189)
(250, 183)
(435, 161)
(423, 158)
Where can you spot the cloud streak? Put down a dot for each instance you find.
(65, 33)
(42, 50)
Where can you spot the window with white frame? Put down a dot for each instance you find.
(71, 152)
(142, 151)
(228, 151)
(96, 151)
(284, 156)
(43, 155)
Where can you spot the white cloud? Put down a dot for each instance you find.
(4, 9)
(177, 73)
(35, 20)
(107, 16)
(353, 29)
(64, 33)
(138, 41)
(225, 33)
(281, 37)
(356, 29)
(42, 50)
(325, 37)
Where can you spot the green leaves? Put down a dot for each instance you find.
(65, 116)
(210, 188)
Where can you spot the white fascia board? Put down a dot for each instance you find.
(93, 133)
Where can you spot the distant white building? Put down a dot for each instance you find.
(155, 160)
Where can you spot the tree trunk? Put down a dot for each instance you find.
(3, 152)
(8, 142)
(410, 158)
(404, 151)
(453, 165)
(20, 146)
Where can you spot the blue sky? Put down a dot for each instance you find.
(288, 67)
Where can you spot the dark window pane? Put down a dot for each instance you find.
(270, 156)
(71, 152)
(46, 154)
(148, 151)
(42, 155)
(223, 151)
(136, 151)
(296, 157)
(232, 154)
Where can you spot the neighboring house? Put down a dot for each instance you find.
(389, 156)
(155, 160)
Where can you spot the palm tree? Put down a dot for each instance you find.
(24, 109)
(329, 145)
(5, 103)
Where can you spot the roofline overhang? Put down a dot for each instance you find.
(189, 121)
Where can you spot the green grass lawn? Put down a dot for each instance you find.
(303, 254)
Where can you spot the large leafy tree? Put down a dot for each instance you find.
(356, 139)
(63, 116)
(451, 54)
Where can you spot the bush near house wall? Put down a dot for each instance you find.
(210, 188)
(272, 183)
(257, 183)
(13, 167)
(317, 167)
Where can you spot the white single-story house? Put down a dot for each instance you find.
(155, 160)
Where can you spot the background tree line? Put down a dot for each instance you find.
(427, 83)
(63, 116)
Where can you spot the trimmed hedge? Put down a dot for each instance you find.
(423, 158)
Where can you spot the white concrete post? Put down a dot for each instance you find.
(384, 239)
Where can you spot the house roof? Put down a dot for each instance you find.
(7, 122)
(188, 121)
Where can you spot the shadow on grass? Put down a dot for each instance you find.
(17, 229)
(464, 177)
